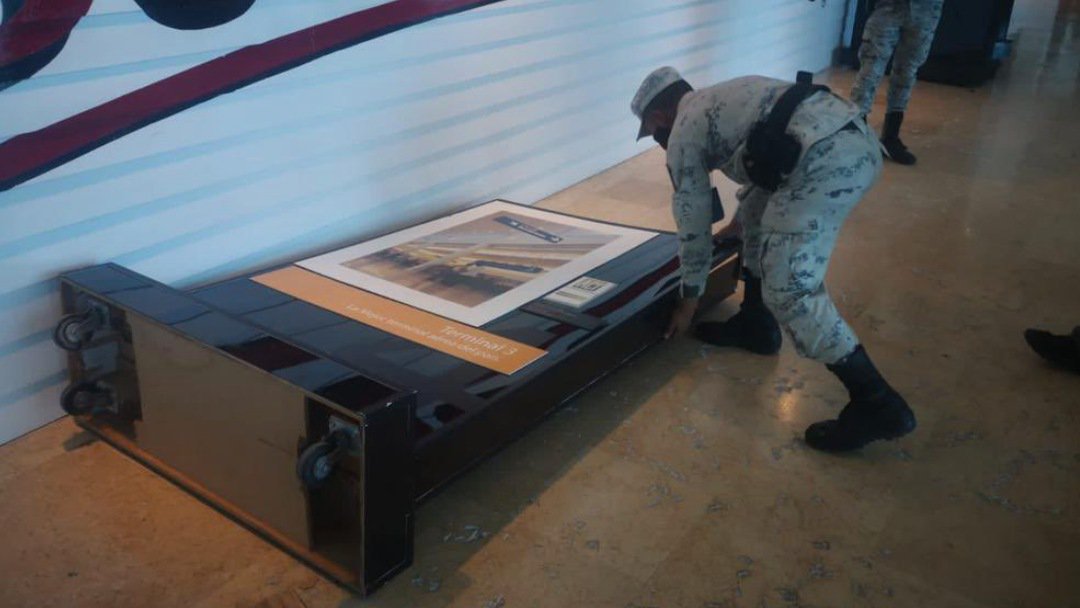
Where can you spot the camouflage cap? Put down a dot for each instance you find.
(654, 83)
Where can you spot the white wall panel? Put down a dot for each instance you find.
(518, 99)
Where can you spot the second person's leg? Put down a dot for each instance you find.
(880, 36)
(916, 38)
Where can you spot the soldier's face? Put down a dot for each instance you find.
(658, 123)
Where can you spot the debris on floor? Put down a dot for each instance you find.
(668, 470)
(470, 534)
(788, 594)
(717, 506)
(786, 386)
(430, 583)
(818, 571)
(792, 446)
(660, 493)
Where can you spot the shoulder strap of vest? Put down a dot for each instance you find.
(781, 113)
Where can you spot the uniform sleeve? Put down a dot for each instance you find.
(691, 206)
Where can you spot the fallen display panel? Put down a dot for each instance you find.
(322, 433)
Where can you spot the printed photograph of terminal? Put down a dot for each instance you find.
(474, 262)
(479, 264)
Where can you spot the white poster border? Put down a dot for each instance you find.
(330, 264)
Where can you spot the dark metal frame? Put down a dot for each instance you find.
(395, 467)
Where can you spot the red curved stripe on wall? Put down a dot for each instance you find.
(28, 155)
(36, 26)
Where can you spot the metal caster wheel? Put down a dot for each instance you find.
(317, 461)
(84, 398)
(74, 331)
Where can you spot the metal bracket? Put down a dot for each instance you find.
(349, 428)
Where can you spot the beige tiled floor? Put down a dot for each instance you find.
(681, 481)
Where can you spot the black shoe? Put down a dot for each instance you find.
(753, 328)
(1063, 351)
(890, 138)
(875, 412)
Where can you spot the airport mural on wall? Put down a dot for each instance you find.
(191, 145)
(34, 32)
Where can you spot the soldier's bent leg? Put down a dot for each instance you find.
(880, 36)
(801, 224)
(753, 328)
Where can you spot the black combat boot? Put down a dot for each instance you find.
(1063, 351)
(875, 411)
(753, 328)
(890, 138)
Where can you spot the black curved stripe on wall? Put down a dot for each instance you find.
(194, 14)
(13, 73)
(10, 8)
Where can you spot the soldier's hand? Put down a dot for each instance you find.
(682, 317)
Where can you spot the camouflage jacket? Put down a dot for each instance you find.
(710, 133)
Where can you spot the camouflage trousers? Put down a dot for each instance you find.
(906, 27)
(789, 235)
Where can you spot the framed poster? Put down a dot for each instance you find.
(479, 264)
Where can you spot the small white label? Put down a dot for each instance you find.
(580, 292)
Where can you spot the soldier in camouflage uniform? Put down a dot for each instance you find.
(788, 234)
(906, 26)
